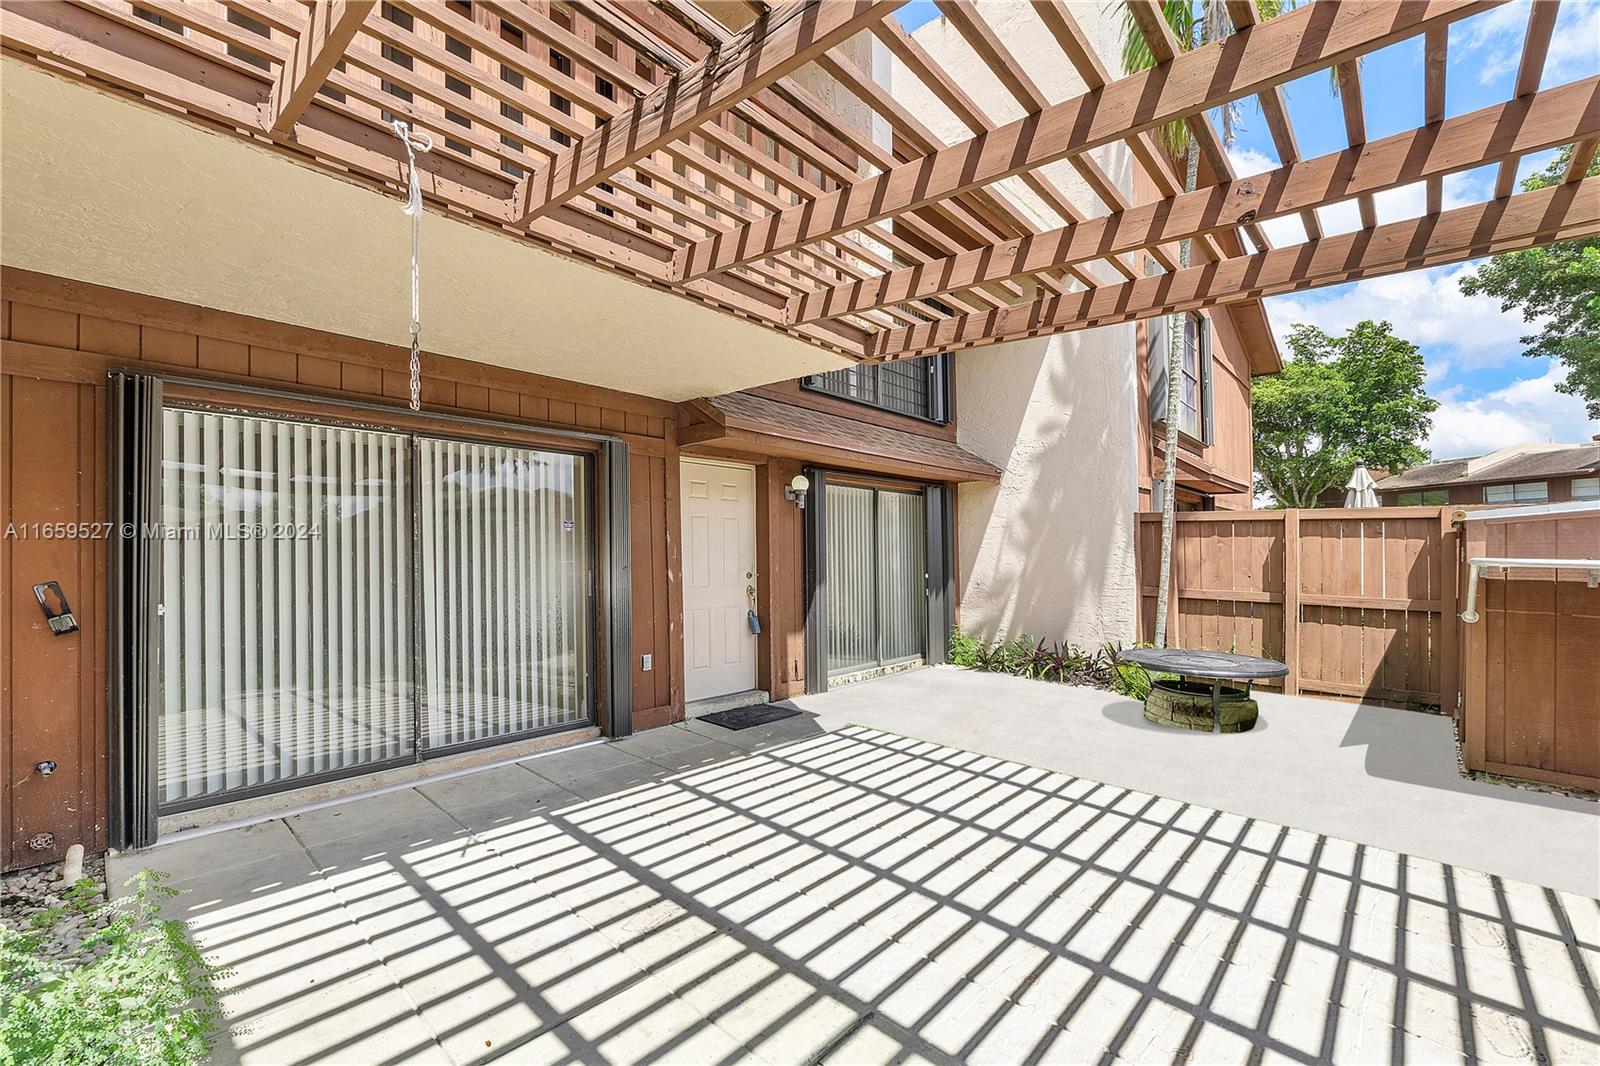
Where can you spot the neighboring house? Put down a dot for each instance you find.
(613, 503)
(1516, 474)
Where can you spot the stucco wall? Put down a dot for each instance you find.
(1049, 550)
(104, 190)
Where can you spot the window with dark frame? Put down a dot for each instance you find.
(259, 637)
(1423, 498)
(917, 388)
(1194, 388)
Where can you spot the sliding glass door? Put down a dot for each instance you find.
(876, 544)
(286, 629)
(339, 599)
(506, 580)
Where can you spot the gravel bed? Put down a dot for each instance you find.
(26, 894)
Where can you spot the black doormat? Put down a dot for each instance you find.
(748, 717)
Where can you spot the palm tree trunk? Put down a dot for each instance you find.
(1175, 342)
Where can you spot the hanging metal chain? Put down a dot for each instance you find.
(415, 142)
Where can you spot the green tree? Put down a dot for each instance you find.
(1339, 401)
(1557, 287)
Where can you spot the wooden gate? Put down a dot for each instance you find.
(1358, 603)
(1531, 683)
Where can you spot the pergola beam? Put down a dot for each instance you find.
(1276, 111)
(1535, 47)
(1092, 72)
(1355, 126)
(1436, 56)
(1502, 131)
(327, 33)
(1151, 20)
(1297, 43)
(1561, 212)
(1582, 156)
(982, 39)
(766, 51)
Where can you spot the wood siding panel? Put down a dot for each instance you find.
(53, 686)
(60, 338)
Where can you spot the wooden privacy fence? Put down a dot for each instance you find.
(1531, 663)
(1357, 602)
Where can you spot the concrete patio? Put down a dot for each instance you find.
(821, 891)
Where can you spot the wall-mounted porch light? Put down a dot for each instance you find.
(796, 490)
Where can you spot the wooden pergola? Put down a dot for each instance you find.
(686, 145)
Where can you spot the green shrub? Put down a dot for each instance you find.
(138, 993)
(963, 649)
(1039, 660)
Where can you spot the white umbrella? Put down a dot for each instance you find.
(1360, 490)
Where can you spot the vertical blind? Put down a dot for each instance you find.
(852, 578)
(877, 569)
(902, 575)
(288, 646)
(505, 590)
(285, 648)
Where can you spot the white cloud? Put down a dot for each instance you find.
(1528, 409)
(1493, 39)
(1427, 308)
(1491, 44)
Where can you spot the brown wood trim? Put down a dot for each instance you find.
(48, 363)
(1371, 603)
(737, 425)
(792, 392)
(673, 575)
(868, 481)
(701, 433)
(82, 297)
(1223, 595)
(328, 411)
(758, 443)
(1533, 773)
(1378, 692)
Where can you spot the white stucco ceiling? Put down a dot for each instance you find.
(101, 189)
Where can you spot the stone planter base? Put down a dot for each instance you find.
(1187, 705)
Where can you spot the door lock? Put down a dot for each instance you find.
(61, 619)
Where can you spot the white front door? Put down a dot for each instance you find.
(719, 563)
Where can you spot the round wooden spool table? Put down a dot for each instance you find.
(1174, 703)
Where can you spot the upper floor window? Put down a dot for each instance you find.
(155, 18)
(1586, 488)
(1194, 390)
(1423, 498)
(919, 388)
(1521, 492)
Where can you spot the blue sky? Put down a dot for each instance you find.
(1489, 394)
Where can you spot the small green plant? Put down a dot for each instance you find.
(138, 993)
(963, 649)
(1041, 660)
